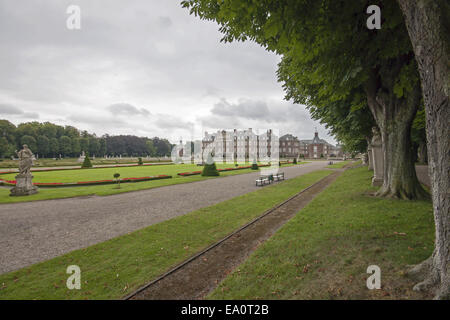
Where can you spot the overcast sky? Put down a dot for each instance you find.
(143, 67)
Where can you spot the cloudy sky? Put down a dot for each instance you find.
(143, 67)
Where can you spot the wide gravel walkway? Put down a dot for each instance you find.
(31, 232)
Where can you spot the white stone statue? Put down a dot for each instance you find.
(25, 159)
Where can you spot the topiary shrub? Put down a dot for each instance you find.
(295, 161)
(140, 162)
(86, 163)
(117, 176)
(255, 166)
(210, 170)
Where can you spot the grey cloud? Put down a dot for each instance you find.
(165, 22)
(127, 109)
(10, 110)
(270, 112)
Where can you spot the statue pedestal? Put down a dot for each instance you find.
(24, 186)
(377, 160)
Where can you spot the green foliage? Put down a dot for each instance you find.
(328, 54)
(255, 166)
(30, 141)
(294, 161)
(210, 170)
(87, 162)
(65, 145)
(140, 162)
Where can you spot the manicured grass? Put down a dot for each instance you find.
(107, 173)
(114, 268)
(324, 251)
(339, 165)
(103, 190)
(45, 162)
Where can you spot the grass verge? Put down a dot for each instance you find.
(114, 268)
(339, 165)
(324, 251)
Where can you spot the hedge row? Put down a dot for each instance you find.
(87, 183)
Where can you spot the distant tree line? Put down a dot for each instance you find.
(49, 140)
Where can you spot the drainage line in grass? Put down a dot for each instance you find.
(203, 252)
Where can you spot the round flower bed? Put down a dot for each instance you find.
(87, 183)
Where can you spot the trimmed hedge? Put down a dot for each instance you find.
(210, 170)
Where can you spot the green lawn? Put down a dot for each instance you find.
(107, 173)
(114, 268)
(324, 251)
(46, 162)
(339, 165)
(109, 189)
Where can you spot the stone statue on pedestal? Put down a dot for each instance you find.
(377, 157)
(24, 184)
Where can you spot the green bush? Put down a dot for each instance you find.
(140, 162)
(117, 176)
(210, 170)
(295, 161)
(255, 166)
(87, 162)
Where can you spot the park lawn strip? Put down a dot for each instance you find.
(105, 190)
(114, 268)
(339, 165)
(324, 251)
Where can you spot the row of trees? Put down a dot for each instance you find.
(352, 78)
(51, 140)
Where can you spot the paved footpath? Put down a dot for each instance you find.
(31, 232)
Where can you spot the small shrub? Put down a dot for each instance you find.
(86, 163)
(255, 166)
(117, 176)
(295, 161)
(210, 170)
(140, 162)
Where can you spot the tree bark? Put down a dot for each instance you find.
(428, 23)
(394, 117)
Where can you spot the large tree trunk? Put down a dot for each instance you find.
(394, 117)
(428, 22)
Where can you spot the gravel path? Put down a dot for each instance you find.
(31, 232)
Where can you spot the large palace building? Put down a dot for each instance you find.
(247, 145)
(292, 147)
(242, 145)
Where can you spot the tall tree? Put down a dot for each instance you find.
(65, 145)
(428, 23)
(53, 147)
(42, 145)
(30, 141)
(76, 148)
(328, 53)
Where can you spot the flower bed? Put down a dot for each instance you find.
(186, 174)
(87, 183)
